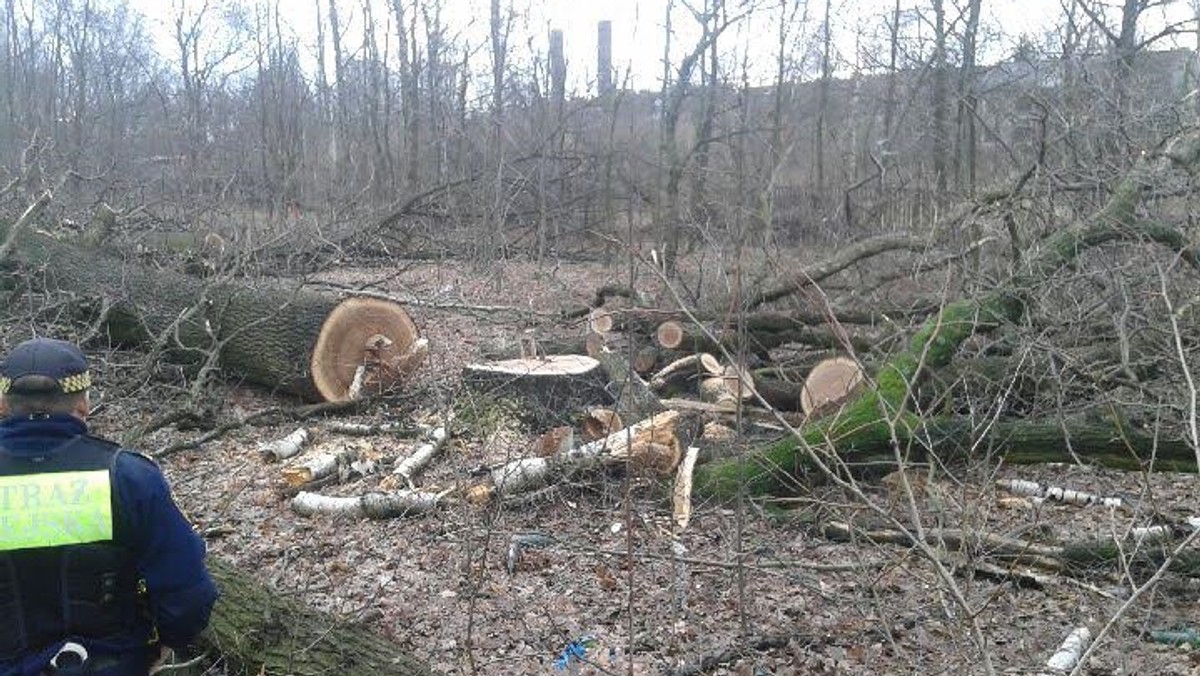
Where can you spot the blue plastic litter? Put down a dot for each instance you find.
(575, 650)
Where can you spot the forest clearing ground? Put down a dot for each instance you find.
(432, 581)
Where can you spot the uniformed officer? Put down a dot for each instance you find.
(100, 573)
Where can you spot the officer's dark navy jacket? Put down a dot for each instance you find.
(160, 546)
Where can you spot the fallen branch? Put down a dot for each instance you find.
(420, 458)
(682, 495)
(371, 505)
(1057, 493)
(287, 447)
(1068, 654)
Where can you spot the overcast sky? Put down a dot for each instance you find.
(638, 35)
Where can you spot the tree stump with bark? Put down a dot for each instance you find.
(549, 388)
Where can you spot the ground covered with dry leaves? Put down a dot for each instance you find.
(756, 588)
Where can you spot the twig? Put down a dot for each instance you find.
(296, 413)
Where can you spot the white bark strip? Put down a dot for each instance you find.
(420, 459)
(521, 475)
(287, 447)
(1057, 493)
(683, 489)
(371, 505)
(1069, 652)
(363, 430)
(310, 504)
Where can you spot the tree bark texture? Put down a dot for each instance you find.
(268, 633)
(266, 334)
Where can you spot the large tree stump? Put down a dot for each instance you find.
(264, 632)
(550, 387)
(287, 339)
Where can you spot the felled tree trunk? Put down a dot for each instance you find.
(265, 632)
(879, 419)
(290, 340)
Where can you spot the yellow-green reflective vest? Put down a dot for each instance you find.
(55, 509)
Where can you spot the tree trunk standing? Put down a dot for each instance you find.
(498, 33)
(823, 94)
(325, 114)
(670, 224)
(890, 100)
(376, 97)
(8, 77)
(340, 142)
(80, 39)
(435, 72)
(265, 632)
(966, 138)
(702, 202)
(941, 104)
(406, 49)
(604, 89)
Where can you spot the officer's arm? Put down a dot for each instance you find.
(168, 554)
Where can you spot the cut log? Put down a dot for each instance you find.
(263, 631)
(556, 441)
(643, 445)
(1068, 654)
(287, 447)
(550, 386)
(739, 381)
(320, 465)
(678, 375)
(866, 425)
(716, 391)
(287, 339)
(780, 394)
(830, 383)
(599, 423)
(1057, 493)
(601, 321)
(762, 334)
(409, 467)
(387, 505)
(645, 360)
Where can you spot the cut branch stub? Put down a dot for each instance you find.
(830, 382)
(370, 332)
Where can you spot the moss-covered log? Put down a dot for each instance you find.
(264, 632)
(291, 340)
(879, 419)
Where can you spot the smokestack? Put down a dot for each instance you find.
(604, 71)
(558, 66)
